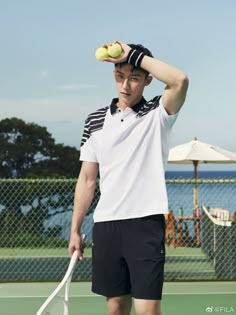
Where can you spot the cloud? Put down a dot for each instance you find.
(51, 109)
(75, 87)
(43, 73)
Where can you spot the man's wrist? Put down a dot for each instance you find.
(135, 57)
(76, 230)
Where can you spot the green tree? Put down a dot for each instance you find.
(28, 150)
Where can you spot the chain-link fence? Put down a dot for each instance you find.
(35, 220)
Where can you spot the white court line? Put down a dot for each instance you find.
(43, 296)
(91, 295)
(199, 293)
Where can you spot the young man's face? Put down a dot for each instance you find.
(130, 84)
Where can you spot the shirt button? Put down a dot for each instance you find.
(122, 120)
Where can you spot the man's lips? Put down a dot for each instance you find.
(125, 94)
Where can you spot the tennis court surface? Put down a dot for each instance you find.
(190, 298)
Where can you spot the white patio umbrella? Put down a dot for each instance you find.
(195, 152)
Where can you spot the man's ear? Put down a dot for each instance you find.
(148, 79)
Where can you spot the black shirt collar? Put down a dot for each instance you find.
(135, 108)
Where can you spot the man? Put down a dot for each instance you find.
(128, 143)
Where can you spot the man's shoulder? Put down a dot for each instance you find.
(150, 105)
(95, 120)
(155, 101)
(101, 112)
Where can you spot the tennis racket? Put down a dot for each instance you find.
(57, 304)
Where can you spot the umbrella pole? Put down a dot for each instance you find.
(195, 189)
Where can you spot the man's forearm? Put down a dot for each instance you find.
(176, 82)
(84, 193)
(162, 71)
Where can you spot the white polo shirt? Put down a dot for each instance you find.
(131, 148)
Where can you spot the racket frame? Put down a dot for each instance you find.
(65, 281)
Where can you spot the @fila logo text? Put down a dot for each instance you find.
(220, 309)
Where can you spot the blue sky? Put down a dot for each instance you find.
(49, 74)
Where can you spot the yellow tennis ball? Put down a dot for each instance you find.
(101, 53)
(114, 50)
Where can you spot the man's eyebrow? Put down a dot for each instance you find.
(118, 71)
(136, 74)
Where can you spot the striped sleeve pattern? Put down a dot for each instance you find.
(149, 106)
(94, 122)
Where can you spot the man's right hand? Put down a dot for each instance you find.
(76, 243)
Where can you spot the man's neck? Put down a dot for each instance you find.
(124, 105)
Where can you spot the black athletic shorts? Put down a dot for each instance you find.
(128, 257)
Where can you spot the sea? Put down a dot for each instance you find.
(220, 194)
(202, 174)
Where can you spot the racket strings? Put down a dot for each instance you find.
(58, 306)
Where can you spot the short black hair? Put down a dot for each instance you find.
(142, 49)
